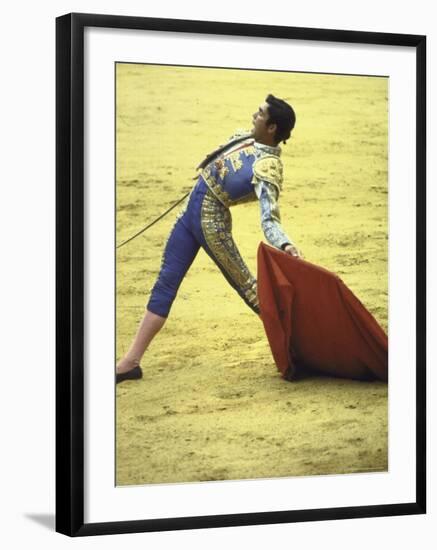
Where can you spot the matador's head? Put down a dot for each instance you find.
(274, 121)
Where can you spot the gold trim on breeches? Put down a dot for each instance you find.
(216, 223)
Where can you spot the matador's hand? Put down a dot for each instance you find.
(293, 251)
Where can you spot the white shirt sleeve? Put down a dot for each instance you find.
(267, 194)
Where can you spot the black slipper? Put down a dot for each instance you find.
(133, 374)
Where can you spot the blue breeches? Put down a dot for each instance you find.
(205, 223)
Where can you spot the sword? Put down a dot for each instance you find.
(154, 221)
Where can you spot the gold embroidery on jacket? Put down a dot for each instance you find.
(248, 151)
(222, 169)
(235, 161)
(221, 194)
(216, 188)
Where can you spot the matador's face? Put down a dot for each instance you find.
(263, 132)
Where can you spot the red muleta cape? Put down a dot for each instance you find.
(312, 320)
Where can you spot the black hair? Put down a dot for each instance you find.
(281, 114)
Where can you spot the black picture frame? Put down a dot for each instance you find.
(70, 273)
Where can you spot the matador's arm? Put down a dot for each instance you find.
(267, 181)
(270, 216)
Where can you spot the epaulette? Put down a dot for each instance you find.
(269, 168)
